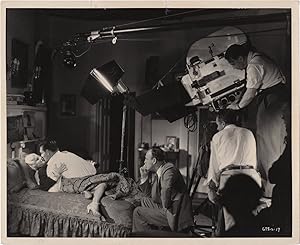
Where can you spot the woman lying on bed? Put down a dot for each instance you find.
(73, 174)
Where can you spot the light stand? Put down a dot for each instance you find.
(123, 170)
(106, 81)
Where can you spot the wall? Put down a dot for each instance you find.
(20, 25)
(162, 128)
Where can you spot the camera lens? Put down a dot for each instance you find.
(231, 98)
(224, 101)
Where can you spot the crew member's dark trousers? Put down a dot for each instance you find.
(271, 133)
(150, 213)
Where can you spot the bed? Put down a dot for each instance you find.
(38, 213)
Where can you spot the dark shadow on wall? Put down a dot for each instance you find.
(73, 134)
(70, 132)
(185, 162)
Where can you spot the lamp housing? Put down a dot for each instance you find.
(103, 81)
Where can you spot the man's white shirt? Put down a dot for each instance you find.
(262, 73)
(76, 167)
(231, 146)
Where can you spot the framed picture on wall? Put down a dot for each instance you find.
(19, 64)
(68, 105)
(172, 143)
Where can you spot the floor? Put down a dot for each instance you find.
(201, 219)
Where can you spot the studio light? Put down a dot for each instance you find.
(69, 59)
(104, 81)
(101, 79)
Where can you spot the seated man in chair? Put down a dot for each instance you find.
(167, 203)
(233, 151)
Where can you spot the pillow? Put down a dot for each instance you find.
(15, 177)
(28, 173)
(117, 211)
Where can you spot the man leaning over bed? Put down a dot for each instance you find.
(75, 175)
(69, 166)
(167, 203)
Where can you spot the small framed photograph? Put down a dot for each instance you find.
(172, 143)
(68, 105)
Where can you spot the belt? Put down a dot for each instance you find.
(279, 89)
(237, 167)
(279, 86)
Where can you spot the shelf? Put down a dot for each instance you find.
(24, 142)
(28, 141)
(19, 116)
(26, 107)
(15, 110)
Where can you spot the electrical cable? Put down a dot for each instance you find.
(166, 38)
(176, 63)
(98, 41)
(84, 52)
(158, 18)
(245, 33)
(190, 122)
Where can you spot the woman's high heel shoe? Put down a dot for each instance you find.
(94, 208)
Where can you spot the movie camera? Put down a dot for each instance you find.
(211, 80)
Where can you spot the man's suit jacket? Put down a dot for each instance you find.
(171, 192)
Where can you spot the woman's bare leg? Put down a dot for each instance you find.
(94, 205)
(87, 194)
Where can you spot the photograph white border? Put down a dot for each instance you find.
(294, 5)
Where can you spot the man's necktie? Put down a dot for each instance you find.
(155, 192)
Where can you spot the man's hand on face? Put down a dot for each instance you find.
(144, 172)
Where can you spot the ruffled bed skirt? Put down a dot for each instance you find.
(29, 220)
